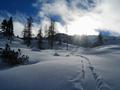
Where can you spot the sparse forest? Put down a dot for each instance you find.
(50, 34)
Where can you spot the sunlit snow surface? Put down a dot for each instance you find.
(76, 69)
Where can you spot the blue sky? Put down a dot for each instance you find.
(80, 16)
(23, 6)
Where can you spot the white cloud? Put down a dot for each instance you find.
(108, 13)
(18, 28)
(104, 16)
(69, 12)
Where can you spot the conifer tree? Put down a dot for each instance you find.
(10, 31)
(4, 27)
(51, 34)
(7, 28)
(39, 38)
(100, 39)
(27, 32)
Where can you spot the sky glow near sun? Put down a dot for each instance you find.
(85, 25)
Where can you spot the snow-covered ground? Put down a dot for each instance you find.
(75, 69)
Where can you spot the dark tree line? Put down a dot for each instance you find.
(7, 28)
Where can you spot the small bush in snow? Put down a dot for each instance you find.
(56, 54)
(13, 57)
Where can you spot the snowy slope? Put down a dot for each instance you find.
(76, 69)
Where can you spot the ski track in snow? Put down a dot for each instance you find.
(100, 83)
(78, 79)
(80, 76)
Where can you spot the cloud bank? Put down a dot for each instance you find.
(67, 13)
(108, 13)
